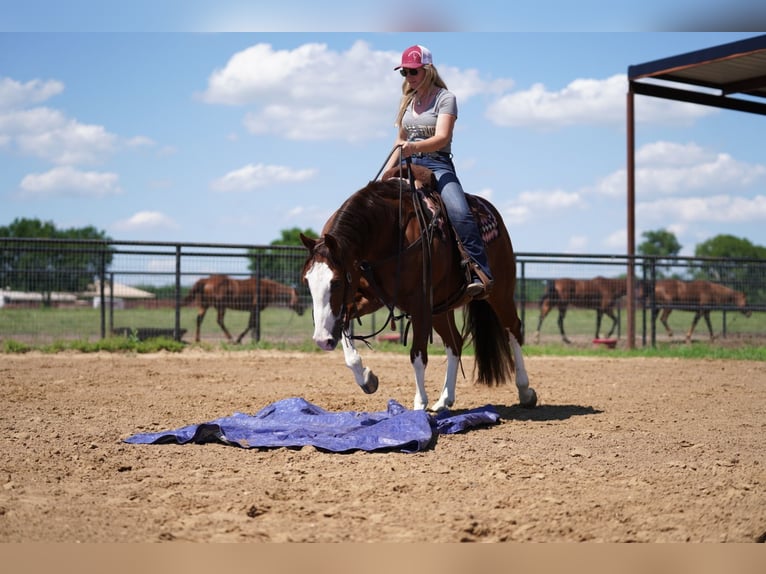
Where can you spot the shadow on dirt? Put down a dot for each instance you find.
(544, 412)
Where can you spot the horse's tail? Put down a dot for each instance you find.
(197, 289)
(494, 360)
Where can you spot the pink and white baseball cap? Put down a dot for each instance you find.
(416, 57)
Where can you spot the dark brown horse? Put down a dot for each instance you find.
(382, 247)
(599, 293)
(222, 292)
(698, 296)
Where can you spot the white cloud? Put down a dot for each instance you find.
(617, 241)
(486, 193)
(14, 94)
(49, 134)
(718, 208)
(586, 101)
(666, 168)
(516, 214)
(140, 141)
(577, 244)
(252, 177)
(146, 220)
(313, 92)
(672, 153)
(550, 199)
(530, 203)
(66, 181)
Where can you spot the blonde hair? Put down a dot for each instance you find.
(432, 79)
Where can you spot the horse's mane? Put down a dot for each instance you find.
(360, 216)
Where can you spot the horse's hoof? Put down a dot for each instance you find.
(370, 382)
(531, 401)
(442, 405)
(437, 408)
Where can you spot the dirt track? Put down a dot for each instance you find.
(618, 450)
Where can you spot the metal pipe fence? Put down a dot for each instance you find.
(68, 289)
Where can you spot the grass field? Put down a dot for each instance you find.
(282, 328)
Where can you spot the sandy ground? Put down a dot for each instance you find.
(618, 450)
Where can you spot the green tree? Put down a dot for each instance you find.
(731, 247)
(58, 265)
(660, 243)
(284, 260)
(728, 266)
(292, 236)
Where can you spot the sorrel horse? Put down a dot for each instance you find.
(222, 292)
(599, 293)
(698, 296)
(383, 247)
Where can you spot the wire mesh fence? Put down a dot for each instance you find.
(54, 290)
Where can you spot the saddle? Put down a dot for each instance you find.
(424, 182)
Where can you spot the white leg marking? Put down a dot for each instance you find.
(421, 397)
(447, 398)
(353, 360)
(527, 395)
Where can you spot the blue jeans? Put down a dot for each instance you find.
(448, 186)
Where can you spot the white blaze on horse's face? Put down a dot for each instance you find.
(319, 279)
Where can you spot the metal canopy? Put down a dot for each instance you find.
(730, 76)
(722, 72)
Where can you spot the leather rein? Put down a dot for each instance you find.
(425, 240)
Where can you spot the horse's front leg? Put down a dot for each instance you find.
(221, 313)
(709, 326)
(419, 360)
(363, 376)
(562, 314)
(599, 315)
(689, 333)
(200, 318)
(664, 321)
(613, 317)
(447, 398)
(453, 343)
(250, 326)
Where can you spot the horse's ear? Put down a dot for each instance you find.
(308, 242)
(331, 243)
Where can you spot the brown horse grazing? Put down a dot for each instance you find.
(698, 296)
(383, 247)
(222, 292)
(599, 293)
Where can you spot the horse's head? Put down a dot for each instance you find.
(741, 301)
(332, 282)
(295, 302)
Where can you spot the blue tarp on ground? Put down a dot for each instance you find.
(296, 422)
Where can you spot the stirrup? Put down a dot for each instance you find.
(477, 289)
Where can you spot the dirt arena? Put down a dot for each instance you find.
(646, 450)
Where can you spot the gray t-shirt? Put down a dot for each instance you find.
(423, 125)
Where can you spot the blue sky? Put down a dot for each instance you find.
(231, 137)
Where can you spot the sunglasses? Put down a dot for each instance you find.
(410, 71)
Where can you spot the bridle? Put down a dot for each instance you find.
(366, 267)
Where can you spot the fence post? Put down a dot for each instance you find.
(101, 281)
(177, 322)
(523, 298)
(255, 312)
(111, 303)
(652, 299)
